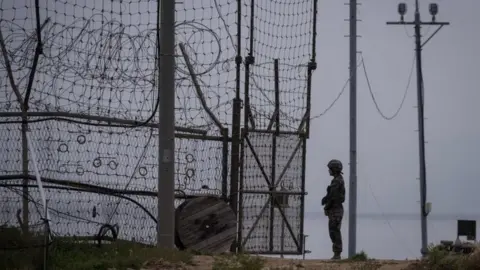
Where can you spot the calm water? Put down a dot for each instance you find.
(391, 238)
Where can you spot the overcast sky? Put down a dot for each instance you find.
(388, 150)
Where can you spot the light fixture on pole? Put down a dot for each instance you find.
(402, 10)
(433, 8)
(425, 206)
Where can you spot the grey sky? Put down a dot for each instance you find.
(388, 150)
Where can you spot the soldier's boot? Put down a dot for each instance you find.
(336, 256)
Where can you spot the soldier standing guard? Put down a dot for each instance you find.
(333, 203)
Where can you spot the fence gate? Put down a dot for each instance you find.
(276, 56)
(272, 191)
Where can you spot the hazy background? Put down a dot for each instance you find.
(388, 150)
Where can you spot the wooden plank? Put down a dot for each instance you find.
(205, 224)
(178, 242)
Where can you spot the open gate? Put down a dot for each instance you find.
(268, 171)
(272, 192)
(272, 179)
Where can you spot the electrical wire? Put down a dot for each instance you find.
(135, 170)
(118, 32)
(340, 94)
(399, 239)
(50, 209)
(67, 216)
(102, 192)
(336, 98)
(373, 96)
(406, 32)
(427, 31)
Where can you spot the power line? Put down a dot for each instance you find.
(340, 94)
(373, 96)
(405, 246)
(418, 23)
(328, 108)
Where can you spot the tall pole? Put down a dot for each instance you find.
(166, 128)
(421, 129)
(417, 23)
(235, 198)
(352, 204)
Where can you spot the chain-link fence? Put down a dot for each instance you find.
(78, 83)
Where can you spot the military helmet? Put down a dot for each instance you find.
(335, 165)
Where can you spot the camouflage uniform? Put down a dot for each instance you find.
(333, 202)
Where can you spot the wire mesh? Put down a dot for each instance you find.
(282, 30)
(92, 114)
(85, 172)
(88, 70)
(260, 224)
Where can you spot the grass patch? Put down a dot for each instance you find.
(361, 261)
(440, 258)
(20, 251)
(238, 262)
(361, 256)
(69, 255)
(119, 255)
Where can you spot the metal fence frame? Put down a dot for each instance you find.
(240, 130)
(238, 138)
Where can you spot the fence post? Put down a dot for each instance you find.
(225, 164)
(46, 236)
(25, 192)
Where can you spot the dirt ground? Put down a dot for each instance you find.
(206, 262)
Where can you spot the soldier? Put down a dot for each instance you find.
(333, 203)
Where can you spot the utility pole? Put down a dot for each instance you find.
(352, 203)
(417, 23)
(166, 127)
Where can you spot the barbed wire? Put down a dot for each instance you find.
(92, 111)
(101, 54)
(97, 72)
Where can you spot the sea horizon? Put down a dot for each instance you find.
(395, 236)
(401, 216)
